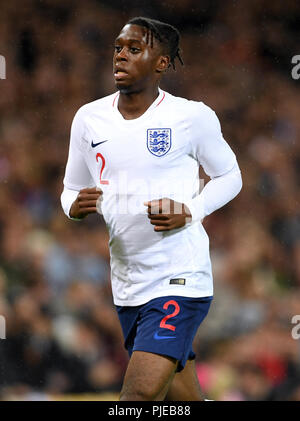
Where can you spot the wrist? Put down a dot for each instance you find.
(196, 208)
(187, 214)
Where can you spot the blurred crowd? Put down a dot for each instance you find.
(62, 332)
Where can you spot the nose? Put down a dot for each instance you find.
(122, 55)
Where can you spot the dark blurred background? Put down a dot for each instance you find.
(63, 336)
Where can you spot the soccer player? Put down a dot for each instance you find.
(134, 156)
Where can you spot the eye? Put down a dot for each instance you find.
(118, 48)
(135, 50)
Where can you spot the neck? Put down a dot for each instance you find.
(133, 104)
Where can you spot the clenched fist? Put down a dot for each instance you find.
(166, 214)
(86, 202)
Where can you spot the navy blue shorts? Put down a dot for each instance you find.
(164, 325)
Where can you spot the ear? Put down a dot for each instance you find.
(163, 63)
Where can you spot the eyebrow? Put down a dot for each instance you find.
(130, 40)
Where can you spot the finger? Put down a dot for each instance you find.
(94, 192)
(160, 223)
(85, 211)
(82, 197)
(162, 206)
(91, 190)
(161, 228)
(155, 208)
(87, 204)
(159, 217)
(88, 190)
(152, 203)
(91, 196)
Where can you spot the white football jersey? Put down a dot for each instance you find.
(154, 156)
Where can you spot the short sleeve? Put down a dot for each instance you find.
(208, 146)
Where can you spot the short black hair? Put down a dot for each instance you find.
(165, 33)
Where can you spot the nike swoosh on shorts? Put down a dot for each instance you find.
(157, 336)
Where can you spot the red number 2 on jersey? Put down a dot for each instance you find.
(99, 155)
(169, 316)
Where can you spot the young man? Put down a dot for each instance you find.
(136, 154)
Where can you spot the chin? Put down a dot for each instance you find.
(128, 89)
(122, 84)
(124, 89)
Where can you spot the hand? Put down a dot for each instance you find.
(166, 214)
(86, 202)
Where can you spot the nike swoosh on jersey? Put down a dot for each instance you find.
(99, 143)
(157, 336)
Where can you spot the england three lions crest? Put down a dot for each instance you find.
(159, 141)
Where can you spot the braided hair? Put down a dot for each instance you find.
(165, 33)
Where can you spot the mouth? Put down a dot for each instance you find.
(120, 74)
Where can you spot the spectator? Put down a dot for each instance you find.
(62, 333)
